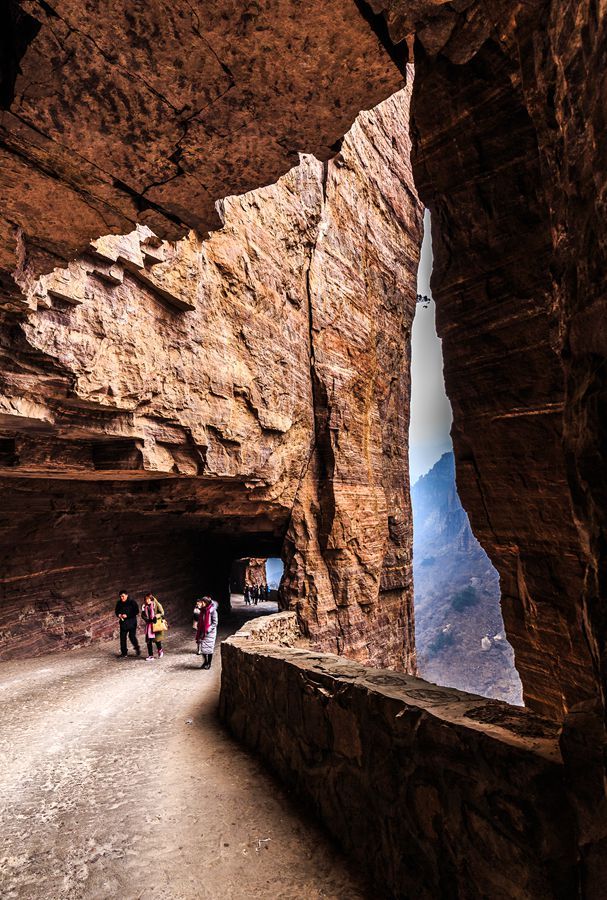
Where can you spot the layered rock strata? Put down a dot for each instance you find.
(349, 539)
(221, 395)
(443, 794)
(508, 118)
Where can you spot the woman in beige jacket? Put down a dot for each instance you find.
(152, 614)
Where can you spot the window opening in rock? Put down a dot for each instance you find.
(459, 628)
(254, 583)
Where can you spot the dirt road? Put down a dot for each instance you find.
(118, 781)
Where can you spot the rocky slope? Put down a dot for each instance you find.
(168, 407)
(458, 621)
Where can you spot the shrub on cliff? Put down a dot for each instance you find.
(464, 599)
(445, 638)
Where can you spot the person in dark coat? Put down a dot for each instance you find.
(127, 611)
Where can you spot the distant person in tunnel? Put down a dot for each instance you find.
(247, 594)
(152, 614)
(206, 634)
(127, 611)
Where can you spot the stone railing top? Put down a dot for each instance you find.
(495, 719)
(279, 628)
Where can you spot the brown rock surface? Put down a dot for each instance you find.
(510, 156)
(249, 571)
(148, 399)
(119, 113)
(349, 540)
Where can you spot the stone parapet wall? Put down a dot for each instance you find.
(432, 791)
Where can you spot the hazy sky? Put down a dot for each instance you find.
(274, 570)
(430, 409)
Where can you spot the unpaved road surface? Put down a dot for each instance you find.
(118, 781)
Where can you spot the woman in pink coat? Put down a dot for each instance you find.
(206, 633)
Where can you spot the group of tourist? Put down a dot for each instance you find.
(253, 593)
(152, 613)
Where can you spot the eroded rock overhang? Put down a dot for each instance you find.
(122, 115)
(248, 392)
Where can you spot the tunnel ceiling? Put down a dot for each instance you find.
(119, 112)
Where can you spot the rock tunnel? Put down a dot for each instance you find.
(86, 537)
(148, 393)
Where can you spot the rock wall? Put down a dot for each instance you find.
(442, 794)
(151, 379)
(509, 154)
(248, 571)
(280, 629)
(353, 512)
(492, 262)
(508, 118)
(60, 585)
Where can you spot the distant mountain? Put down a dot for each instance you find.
(459, 628)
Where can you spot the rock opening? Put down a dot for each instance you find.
(459, 630)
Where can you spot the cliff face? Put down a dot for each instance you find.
(508, 128)
(457, 595)
(349, 540)
(248, 571)
(166, 408)
(508, 119)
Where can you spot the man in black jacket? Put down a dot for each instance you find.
(127, 612)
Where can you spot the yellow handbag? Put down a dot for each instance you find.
(161, 623)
